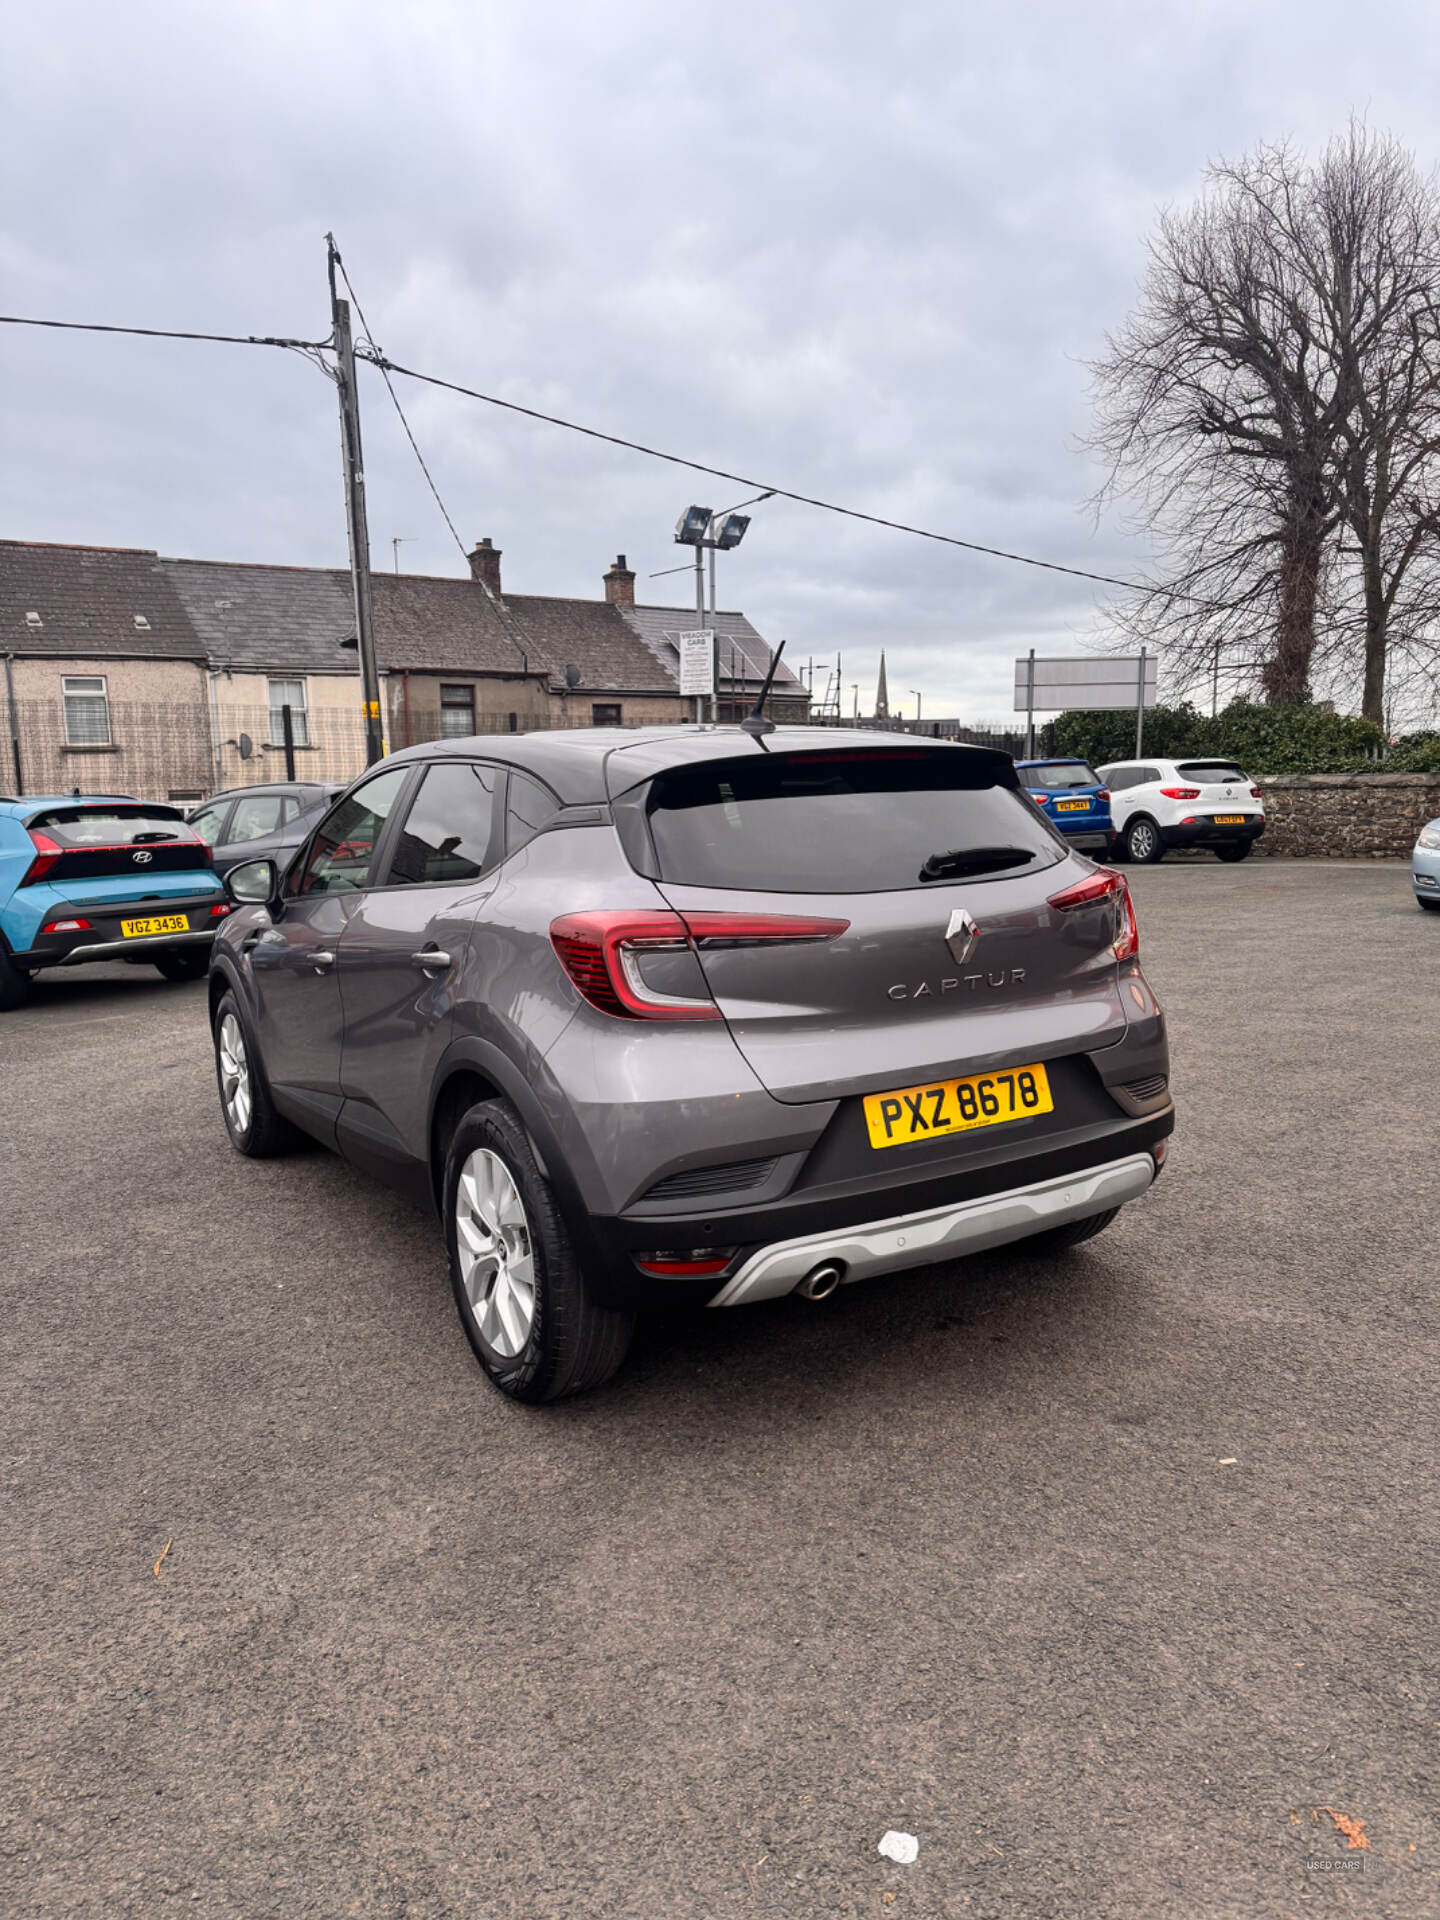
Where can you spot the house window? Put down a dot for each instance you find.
(87, 711)
(288, 693)
(457, 712)
(605, 713)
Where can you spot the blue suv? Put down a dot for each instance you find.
(1069, 794)
(102, 877)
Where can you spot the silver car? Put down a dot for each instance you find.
(694, 1015)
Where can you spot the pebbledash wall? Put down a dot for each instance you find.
(1346, 816)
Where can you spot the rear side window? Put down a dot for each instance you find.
(529, 808)
(1065, 773)
(843, 822)
(113, 826)
(1209, 772)
(449, 830)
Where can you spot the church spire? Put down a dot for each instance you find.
(882, 697)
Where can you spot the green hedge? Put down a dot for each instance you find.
(1261, 739)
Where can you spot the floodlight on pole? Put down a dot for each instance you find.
(693, 526)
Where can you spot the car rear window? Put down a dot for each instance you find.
(1209, 771)
(1064, 773)
(843, 822)
(113, 826)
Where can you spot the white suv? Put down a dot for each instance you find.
(1155, 804)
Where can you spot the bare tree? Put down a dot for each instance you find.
(1271, 411)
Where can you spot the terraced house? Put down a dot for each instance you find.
(128, 671)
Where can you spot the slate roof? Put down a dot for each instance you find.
(87, 599)
(594, 636)
(744, 655)
(268, 619)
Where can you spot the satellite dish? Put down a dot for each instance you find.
(246, 746)
(572, 676)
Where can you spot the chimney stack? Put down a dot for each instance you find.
(620, 584)
(485, 566)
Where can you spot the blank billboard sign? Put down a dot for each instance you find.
(1085, 684)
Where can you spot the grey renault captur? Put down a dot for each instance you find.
(694, 1015)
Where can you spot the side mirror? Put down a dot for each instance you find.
(253, 883)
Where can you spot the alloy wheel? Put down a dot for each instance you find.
(1142, 840)
(497, 1261)
(234, 1074)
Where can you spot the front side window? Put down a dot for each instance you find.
(449, 829)
(344, 845)
(255, 816)
(288, 693)
(848, 821)
(87, 710)
(457, 711)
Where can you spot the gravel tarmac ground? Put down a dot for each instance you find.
(1100, 1574)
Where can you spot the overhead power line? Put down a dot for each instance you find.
(387, 366)
(160, 333)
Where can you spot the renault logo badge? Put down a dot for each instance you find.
(960, 936)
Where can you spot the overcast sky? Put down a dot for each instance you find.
(857, 251)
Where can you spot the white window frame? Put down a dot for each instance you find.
(299, 713)
(85, 686)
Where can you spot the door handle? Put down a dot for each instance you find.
(321, 960)
(430, 958)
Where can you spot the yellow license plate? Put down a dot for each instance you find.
(954, 1106)
(164, 923)
(1229, 819)
(1072, 806)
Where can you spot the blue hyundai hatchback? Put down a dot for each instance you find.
(102, 877)
(1069, 794)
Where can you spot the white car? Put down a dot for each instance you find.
(1155, 804)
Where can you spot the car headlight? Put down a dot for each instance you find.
(1430, 837)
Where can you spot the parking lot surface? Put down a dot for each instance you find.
(1100, 1574)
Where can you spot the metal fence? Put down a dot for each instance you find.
(184, 753)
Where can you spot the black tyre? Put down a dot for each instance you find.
(1429, 906)
(183, 963)
(1143, 843)
(1240, 850)
(522, 1299)
(14, 983)
(254, 1127)
(1056, 1239)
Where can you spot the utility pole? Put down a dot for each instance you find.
(355, 516)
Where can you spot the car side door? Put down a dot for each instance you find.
(1121, 782)
(291, 961)
(400, 956)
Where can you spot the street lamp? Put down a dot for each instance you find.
(700, 528)
(916, 692)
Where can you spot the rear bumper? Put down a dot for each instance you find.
(857, 1206)
(943, 1233)
(103, 939)
(1088, 839)
(1205, 833)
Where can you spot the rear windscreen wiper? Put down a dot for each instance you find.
(959, 862)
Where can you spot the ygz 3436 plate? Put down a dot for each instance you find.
(955, 1106)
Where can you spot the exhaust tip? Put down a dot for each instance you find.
(821, 1281)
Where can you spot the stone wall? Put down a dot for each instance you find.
(1346, 816)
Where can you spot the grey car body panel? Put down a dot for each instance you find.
(361, 1053)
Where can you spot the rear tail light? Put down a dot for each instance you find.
(1095, 889)
(67, 926)
(1103, 793)
(601, 952)
(47, 852)
(1041, 796)
(219, 910)
(1181, 793)
(686, 1263)
(1255, 793)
